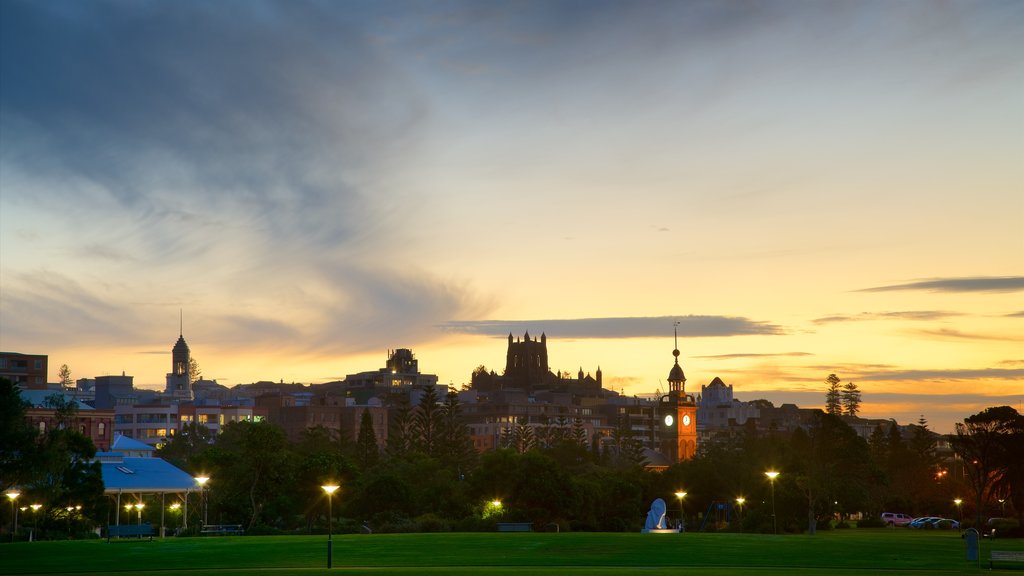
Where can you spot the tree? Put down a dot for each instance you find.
(851, 399)
(400, 430)
(194, 372)
(18, 449)
(456, 444)
(187, 447)
(990, 444)
(833, 396)
(367, 451)
(65, 377)
(253, 469)
(427, 423)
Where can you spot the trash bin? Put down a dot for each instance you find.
(971, 541)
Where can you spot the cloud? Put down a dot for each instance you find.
(752, 355)
(950, 334)
(945, 375)
(1016, 314)
(633, 327)
(908, 315)
(971, 284)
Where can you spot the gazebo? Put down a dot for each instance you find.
(131, 470)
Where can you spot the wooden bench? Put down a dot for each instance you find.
(515, 526)
(1005, 556)
(124, 530)
(222, 529)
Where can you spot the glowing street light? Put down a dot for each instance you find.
(772, 475)
(139, 506)
(739, 503)
(329, 489)
(13, 495)
(960, 512)
(202, 480)
(35, 517)
(682, 522)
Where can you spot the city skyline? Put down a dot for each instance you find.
(806, 188)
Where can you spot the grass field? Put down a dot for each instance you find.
(881, 551)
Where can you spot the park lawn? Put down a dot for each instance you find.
(881, 551)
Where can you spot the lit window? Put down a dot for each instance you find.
(101, 429)
(42, 426)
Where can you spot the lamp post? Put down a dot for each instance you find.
(772, 475)
(13, 495)
(739, 503)
(682, 520)
(139, 506)
(960, 513)
(35, 517)
(202, 480)
(329, 489)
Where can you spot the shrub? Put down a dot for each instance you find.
(431, 523)
(871, 522)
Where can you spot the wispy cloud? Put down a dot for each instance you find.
(633, 327)
(955, 375)
(753, 355)
(866, 316)
(972, 284)
(950, 334)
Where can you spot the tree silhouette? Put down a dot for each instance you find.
(833, 396)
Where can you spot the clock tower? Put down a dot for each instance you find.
(679, 414)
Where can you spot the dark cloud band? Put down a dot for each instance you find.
(634, 327)
(976, 284)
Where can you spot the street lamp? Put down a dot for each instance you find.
(739, 503)
(682, 523)
(139, 506)
(202, 480)
(13, 495)
(960, 512)
(329, 489)
(35, 517)
(772, 475)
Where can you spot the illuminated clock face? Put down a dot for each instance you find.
(686, 420)
(669, 420)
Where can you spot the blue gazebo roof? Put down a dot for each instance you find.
(150, 475)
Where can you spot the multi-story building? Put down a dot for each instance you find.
(27, 371)
(98, 425)
(336, 413)
(153, 424)
(214, 415)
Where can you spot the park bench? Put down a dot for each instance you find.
(515, 526)
(222, 529)
(1005, 556)
(124, 530)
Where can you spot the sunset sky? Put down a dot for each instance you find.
(806, 187)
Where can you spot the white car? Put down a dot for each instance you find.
(896, 519)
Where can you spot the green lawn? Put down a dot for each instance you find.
(881, 551)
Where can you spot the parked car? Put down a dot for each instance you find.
(935, 522)
(896, 519)
(920, 522)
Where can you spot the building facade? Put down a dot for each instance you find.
(27, 371)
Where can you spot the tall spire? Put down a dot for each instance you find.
(181, 323)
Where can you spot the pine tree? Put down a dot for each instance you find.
(367, 451)
(833, 397)
(579, 433)
(400, 430)
(457, 445)
(851, 399)
(427, 423)
(65, 377)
